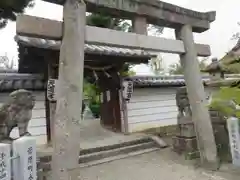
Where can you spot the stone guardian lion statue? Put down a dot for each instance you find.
(16, 112)
(182, 102)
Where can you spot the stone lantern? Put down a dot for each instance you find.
(215, 70)
(216, 77)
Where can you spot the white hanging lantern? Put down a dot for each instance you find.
(127, 90)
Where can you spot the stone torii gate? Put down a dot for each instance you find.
(74, 33)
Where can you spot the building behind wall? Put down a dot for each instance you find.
(153, 101)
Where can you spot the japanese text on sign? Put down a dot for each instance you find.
(3, 171)
(30, 163)
(127, 90)
(234, 137)
(51, 88)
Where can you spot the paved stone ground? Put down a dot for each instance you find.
(162, 164)
(94, 135)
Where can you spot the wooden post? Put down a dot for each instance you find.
(123, 109)
(197, 98)
(140, 27)
(66, 143)
(50, 105)
(48, 117)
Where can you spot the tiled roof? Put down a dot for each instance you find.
(13, 81)
(168, 81)
(214, 66)
(89, 48)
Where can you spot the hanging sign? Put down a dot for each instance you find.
(51, 89)
(127, 90)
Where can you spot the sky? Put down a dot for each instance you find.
(218, 36)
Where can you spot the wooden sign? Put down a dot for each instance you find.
(25, 166)
(108, 94)
(234, 139)
(51, 89)
(127, 90)
(5, 161)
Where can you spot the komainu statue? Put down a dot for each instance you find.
(16, 112)
(182, 102)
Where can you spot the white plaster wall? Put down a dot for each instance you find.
(153, 107)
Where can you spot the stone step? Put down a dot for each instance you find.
(114, 152)
(115, 146)
(107, 153)
(47, 173)
(118, 157)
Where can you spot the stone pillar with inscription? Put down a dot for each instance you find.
(24, 159)
(234, 139)
(5, 161)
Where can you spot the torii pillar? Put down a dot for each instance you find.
(197, 99)
(69, 101)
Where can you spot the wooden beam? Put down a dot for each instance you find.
(50, 29)
(69, 96)
(197, 99)
(156, 12)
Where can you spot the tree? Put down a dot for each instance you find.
(10, 8)
(104, 21)
(176, 68)
(6, 63)
(232, 58)
(237, 34)
(156, 65)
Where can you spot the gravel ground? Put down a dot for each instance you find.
(162, 164)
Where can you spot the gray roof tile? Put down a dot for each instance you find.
(168, 81)
(13, 81)
(89, 48)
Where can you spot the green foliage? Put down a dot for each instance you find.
(125, 71)
(231, 60)
(175, 68)
(226, 101)
(104, 21)
(91, 92)
(6, 62)
(231, 63)
(10, 8)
